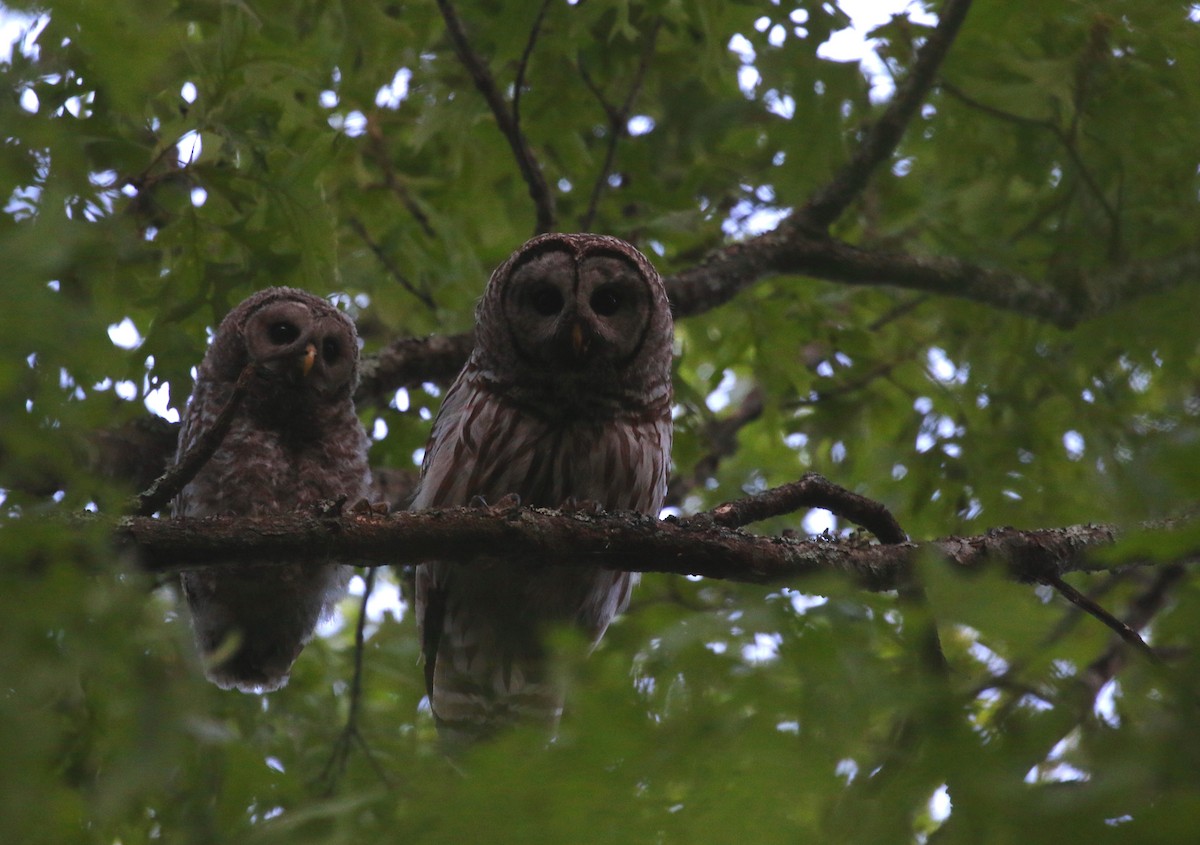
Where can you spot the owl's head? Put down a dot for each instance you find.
(581, 304)
(302, 343)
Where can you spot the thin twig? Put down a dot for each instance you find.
(721, 435)
(1085, 603)
(1069, 620)
(897, 311)
(882, 138)
(844, 388)
(523, 64)
(618, 121)
(379, 154)
(812, 491)
(350, 732)
(1064, 138)
(1142, 611)
(168, 485)
(531, 171)
(422, 296)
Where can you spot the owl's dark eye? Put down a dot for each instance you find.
(546, 300)
(606, 301)
(330, 350)
(282, 332)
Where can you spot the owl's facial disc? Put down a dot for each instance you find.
(571, 315)
(614, 302)
(301, 347)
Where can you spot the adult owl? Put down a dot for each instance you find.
(566, 398)
(295, 441)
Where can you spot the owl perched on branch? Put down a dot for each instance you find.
(565, 399)
(295, 441)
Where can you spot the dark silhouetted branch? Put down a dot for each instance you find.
(811, 491)
(523, 65)
(1088, 605)
(881, 139)
(531, 171)
(721, 435)
(728, 271)
(632, 542)
(725, 273)
(410, 362)
(618, 122)
(421, 296)
(168, 485)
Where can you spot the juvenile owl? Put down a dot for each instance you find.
(294, 442)
(566, 398)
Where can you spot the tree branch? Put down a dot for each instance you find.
(350, 733)
(618, 118)
(523, 65)
(726, 272)
(1087, 604)
(1141, 613)
(378, 152)
(721, 435)
(409, 362)
(531, 171)
(168, 485)
(625, 541)
(811, 491)
(421, 296)
(882, 138)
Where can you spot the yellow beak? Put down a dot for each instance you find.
(577, 340)
(310, 357)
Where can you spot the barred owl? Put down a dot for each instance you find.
(566, 397)
(294, 441)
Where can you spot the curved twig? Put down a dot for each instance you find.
(618, 119)
(350, 733)
(531, 171)
(884, 135)
(422, 296)
(810, 491)
(519, 81)
(177, 476)
(1086, 604)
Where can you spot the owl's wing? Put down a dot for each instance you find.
(189, 432)
(437, 466)
(441, 452)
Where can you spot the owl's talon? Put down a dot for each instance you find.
(507, 505)
(361, 507)
(380, 508)
(588, 507)
(332, 507)
(478, 502)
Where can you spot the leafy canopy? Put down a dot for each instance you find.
(162, 160)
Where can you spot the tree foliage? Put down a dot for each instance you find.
(961, 283)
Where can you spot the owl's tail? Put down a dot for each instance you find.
(251, 626)
(248, 662)
(479, 683)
